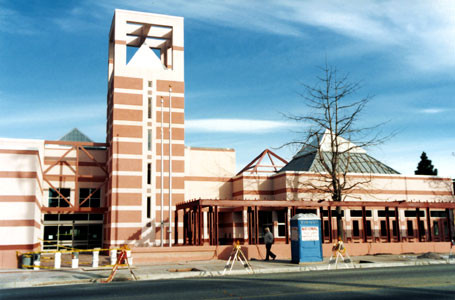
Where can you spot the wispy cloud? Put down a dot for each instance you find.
(80, 18)
(235, 125)
(252, 15)
(71, 24)
(76, 19)
(432, 110)
(419, 33)
(53, 115)
(12, 22)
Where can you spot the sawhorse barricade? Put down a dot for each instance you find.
(451, 256)
(123, 257)
(339, 252)
(237, 254)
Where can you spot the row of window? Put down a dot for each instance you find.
(56, 199)
(73, 217)
(266, 219)
(381, 213)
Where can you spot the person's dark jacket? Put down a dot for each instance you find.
(268, 238)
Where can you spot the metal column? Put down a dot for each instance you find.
(330, 224)
(397, 220)
(387, 223)
(419, 230)
(430, 239)
(364, 221)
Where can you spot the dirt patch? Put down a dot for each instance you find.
(184, 270)
(365, 262)
(429, 255)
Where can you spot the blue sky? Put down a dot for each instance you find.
(244, 64)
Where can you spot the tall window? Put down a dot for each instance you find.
(281, 218)
(421, 229)
(410, 228)
(149, 207)
(355, 228)
(55, 200)
(149, 140)
(149, 173)
(93, 201)
(368, 229)
(326, 228)
(149, 110)
(436, 228)
(383, 228)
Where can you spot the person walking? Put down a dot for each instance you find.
(268, 240)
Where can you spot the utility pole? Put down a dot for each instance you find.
(162, 177)
(170, 166)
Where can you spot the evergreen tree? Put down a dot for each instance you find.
(425, 167)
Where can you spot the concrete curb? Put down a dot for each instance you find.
(289, 269)
(22, 284)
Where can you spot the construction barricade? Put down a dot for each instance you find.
(339, 252)
(237, 255)
(67, 257)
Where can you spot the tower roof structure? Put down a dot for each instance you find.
(353, 159)
(75, 135)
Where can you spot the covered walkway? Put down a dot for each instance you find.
(419, 221)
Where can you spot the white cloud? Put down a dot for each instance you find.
(421, 32)
(253, 15)
(80, 18)
(417, 32)
(432, 110)
(53, 115)
(235, 125)
(14, 23)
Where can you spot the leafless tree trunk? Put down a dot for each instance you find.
(333, 111)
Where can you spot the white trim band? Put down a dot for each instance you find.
(125, 106)
(128, 91)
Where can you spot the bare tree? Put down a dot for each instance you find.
(333, 112)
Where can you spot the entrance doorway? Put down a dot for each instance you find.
(81, 231)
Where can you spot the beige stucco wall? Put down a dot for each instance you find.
(208, 172)
(251, 187)
(20, 197)
(293, 186)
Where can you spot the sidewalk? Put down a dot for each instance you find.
(15, 278)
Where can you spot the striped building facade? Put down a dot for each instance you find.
(144, 187)
(145, 127)
(20, 197)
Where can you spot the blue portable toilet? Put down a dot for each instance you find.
(306, 243)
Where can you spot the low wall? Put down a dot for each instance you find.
(283, 251)
(8, 259)
(390, 248)
(154, 255)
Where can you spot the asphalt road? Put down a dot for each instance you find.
(426, 282)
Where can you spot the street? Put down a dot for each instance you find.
(423, 282)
